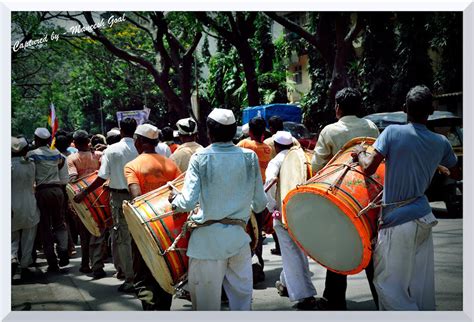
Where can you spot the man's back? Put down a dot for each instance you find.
(334, 136)
(412, 155)
(263, 151)
(46, 161)
(183, 154)
(150, 171)
(113, 161)
(82, 163)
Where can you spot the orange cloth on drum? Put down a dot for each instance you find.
(150, 171)
(263, 151)
(82, 163)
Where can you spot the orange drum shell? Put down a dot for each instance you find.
(94, 211)
(354, 184)
(154, 228)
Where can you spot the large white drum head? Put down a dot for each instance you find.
(293, 171)
(324, 231)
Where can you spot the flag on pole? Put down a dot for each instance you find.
(53, 123)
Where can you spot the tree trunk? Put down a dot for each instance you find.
(245, 54)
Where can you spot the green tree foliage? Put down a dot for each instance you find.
(80, 77)
(151, 61)
(376, 73)
(412, 65)
(446, 42)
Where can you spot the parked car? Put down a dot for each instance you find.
(442, 188)
(302, 134)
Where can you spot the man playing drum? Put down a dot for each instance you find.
(404, 256)
(187, 129)
(227, 183)
(148, 172)
(80, 164)
(112, 164)
(295, 278)
(331, 139)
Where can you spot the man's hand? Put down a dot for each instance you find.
(80, 196)
(443, 170)
(172, 196)
(358, 149)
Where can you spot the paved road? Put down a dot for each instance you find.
(75, 291)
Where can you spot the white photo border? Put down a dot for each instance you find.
(466, 6)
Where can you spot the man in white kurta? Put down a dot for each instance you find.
(295, 276)
(25, 213)
(227, 183)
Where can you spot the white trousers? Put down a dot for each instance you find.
(295, 275)
(404, 266)
(206, 278)
(24, 238)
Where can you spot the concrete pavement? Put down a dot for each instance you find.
(76, 291)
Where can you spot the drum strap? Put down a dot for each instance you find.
(377, 203)
(190, 225)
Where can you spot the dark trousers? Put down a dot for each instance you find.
(148, 291)
(336, 285)
(50, 202)
(69, 219)
(85, 237)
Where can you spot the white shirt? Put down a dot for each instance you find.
(163, 149)
(113, 161)
(183, 154)
(25, 213)
(333, 137)
(273, 171)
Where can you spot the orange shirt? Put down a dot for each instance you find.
(263, 151)
(150, 171)
(173, 147)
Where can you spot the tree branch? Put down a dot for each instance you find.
(356, 29)
(193, 46)
(291, 26)
(207, 21)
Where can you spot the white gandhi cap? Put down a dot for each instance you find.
(148, 131)
(42, 133)
(222, 116)
(187, 126)
(18, 144)
(283, 138)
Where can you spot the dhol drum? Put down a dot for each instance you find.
(94, 211)
(155, 227)
(329, 216)
(295, 170)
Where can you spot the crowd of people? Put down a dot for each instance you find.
(228, 181)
